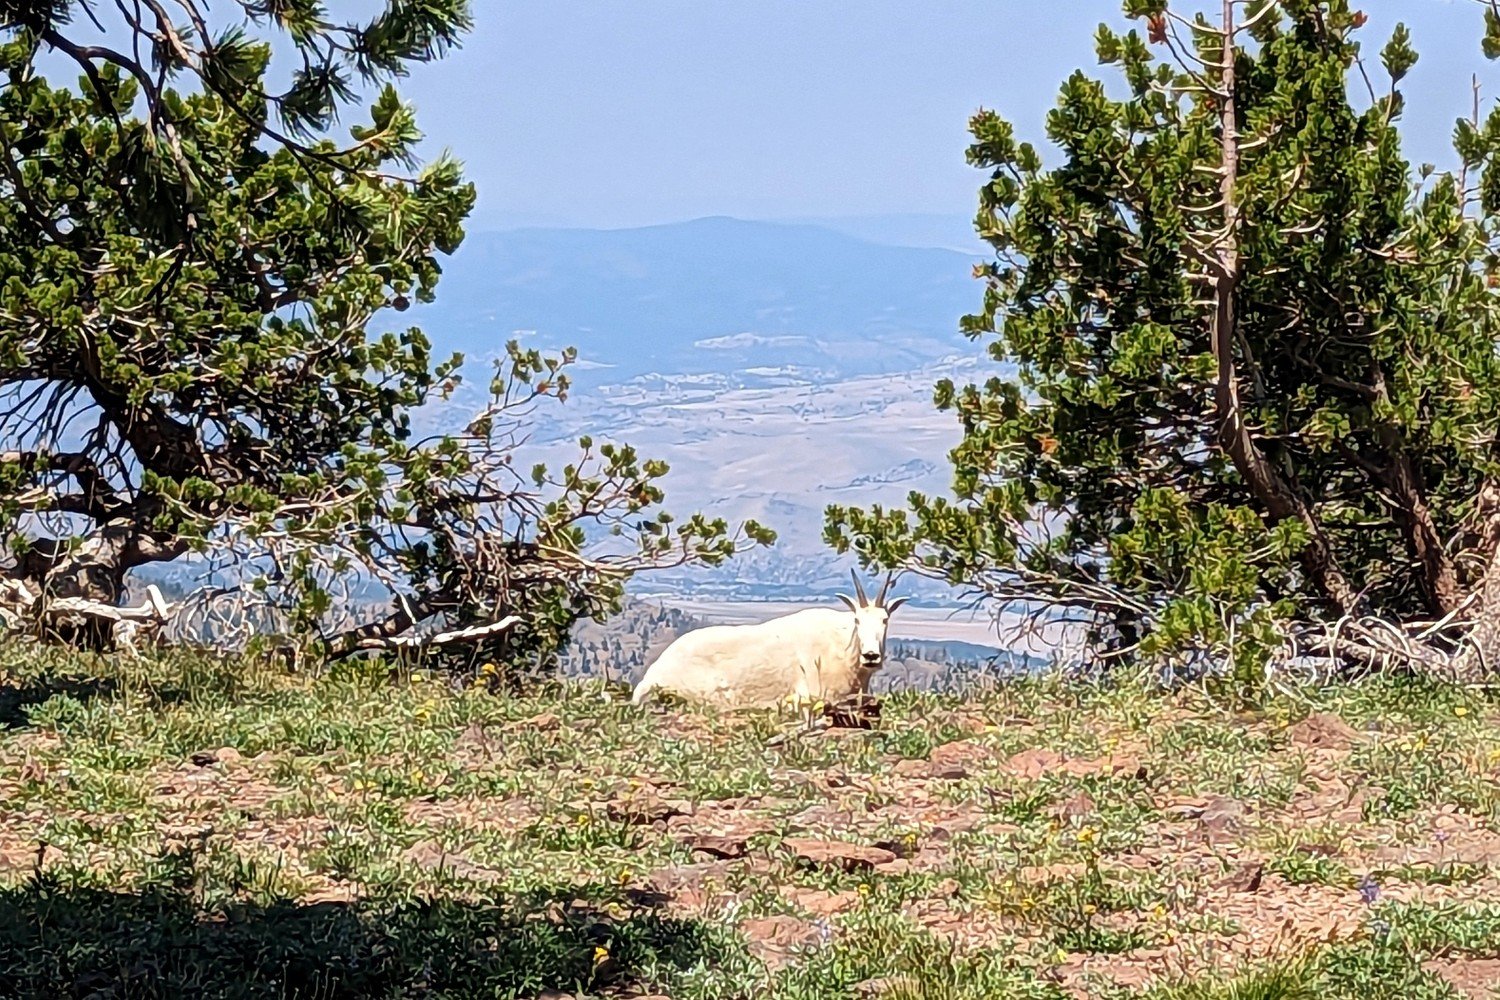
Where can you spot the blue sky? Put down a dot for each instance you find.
(628, 112)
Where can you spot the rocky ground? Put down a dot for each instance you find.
(187, 827)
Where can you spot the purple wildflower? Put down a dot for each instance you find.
(1369, 890)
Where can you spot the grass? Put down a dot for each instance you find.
(189, 826)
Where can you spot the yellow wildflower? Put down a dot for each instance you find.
(1461, 711)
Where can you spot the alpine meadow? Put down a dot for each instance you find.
(336, 664)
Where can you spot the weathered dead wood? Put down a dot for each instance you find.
(20, 608)
(364, 639)
(1450, 650)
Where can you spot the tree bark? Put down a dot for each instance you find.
(1266, 484)
(1480, 659)
(1437, 574)
(93, 572)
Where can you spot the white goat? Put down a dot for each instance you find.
(817, 654)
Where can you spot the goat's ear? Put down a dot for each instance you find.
(848, 600)
(890, 608)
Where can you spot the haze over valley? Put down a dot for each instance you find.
(777, 367)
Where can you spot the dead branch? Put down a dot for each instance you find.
(21, 609)
(472, 633)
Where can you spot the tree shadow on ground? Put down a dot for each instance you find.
(18, 699)
(102, 944)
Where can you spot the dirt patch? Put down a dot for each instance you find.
(837, 854)
(1322, 731)
(1033, 764)
(1475, 978)
(1080, 974)
(959, 754)
(820, 902)
(1451, 839)
(776, 940)
(1325, 797)
(431, 856)
(646, 808)
(715, 846)
(473, 813)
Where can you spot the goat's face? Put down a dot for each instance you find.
(869, 636)
(870, 621)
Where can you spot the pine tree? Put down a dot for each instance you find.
(1255, 353)
(190, 267)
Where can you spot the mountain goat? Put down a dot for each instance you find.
(817, 654)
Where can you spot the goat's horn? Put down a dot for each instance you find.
(859, 589)
(880, 598)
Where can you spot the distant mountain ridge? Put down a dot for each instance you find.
(709, 295)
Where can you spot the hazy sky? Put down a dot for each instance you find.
(624, 112)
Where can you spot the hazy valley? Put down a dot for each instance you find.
(778, 368)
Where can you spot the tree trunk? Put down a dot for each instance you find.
(1436, 573)
(93, 571)
(1279, 499)
(1480, 658)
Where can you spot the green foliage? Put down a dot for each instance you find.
(216, 826)
(1281, 981)
(1099, 478)
(191, 356)
(1491, 41)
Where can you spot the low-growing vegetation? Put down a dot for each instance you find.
(184, 825)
